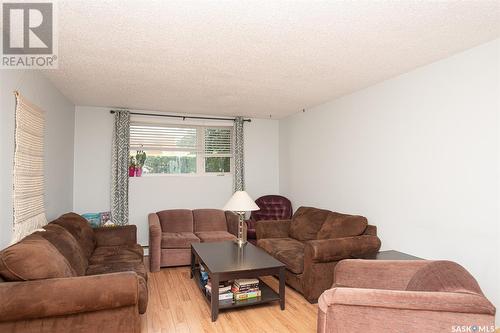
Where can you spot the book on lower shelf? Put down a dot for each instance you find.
(247, 295)
(232, 291)
(246, 289)
(245, 282)
(225, 293)
(222, 288)
(227, 296)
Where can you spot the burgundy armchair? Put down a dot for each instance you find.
(272, 207)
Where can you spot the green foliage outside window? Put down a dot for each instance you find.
(170, 164)
(218, 164)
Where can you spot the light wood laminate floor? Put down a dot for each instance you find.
(177, 305)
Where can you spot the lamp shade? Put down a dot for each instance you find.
(241, 202)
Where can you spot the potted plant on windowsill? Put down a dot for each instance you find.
(131, 167)
(140, 159)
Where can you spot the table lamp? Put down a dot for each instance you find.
(240, 203)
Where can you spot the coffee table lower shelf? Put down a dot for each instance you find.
(267, 294)
(225, 261)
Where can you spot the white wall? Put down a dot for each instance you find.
(92, 174)
(148, 194)
(59, 134)
(417, 154)
(262, 157)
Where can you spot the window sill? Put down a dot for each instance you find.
(185, 175)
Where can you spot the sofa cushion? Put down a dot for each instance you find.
(306, 222)
(178, 240)
(33, 258)
(67, 245)
(215, 236)
(339, 225)
(80, 229)
(116, 267)
(176, 220)
(287, 250)
(444, 276)
(118, 253)
(209, 220)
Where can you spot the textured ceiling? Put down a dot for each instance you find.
(255, 58)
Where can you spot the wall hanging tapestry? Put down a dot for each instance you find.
(29, 208)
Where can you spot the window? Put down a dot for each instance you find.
(217, 145)
(179, 149)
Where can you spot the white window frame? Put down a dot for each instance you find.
(200, 154)
(204, 155)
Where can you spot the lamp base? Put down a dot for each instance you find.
(241, 242)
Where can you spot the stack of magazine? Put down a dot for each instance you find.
(245, 289)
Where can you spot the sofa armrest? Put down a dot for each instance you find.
(113, 236)
(326, 250)
(65, 296)
(370, 230)
(272, 228)
(154, 249)
(377, 274)
(232, 221)
(406, 300)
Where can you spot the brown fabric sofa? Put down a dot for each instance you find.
(171, 233)
(313, 242)
(404, 296)
(72, 278)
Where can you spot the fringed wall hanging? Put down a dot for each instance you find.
(29, 208)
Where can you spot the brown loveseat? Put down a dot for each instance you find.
(72, 278)
(171, 233)
(411, 296)
(313, 242)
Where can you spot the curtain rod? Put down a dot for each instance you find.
(183, 117)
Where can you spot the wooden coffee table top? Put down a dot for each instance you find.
(394, 255)
(226, 256)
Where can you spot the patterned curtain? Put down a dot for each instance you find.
(28, 191)
(239, 164)
(119, 172)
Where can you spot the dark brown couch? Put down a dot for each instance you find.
(171, 233)
(313, 242)
(72, 278)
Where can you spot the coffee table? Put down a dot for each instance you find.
(393, 255)
(226, 261)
